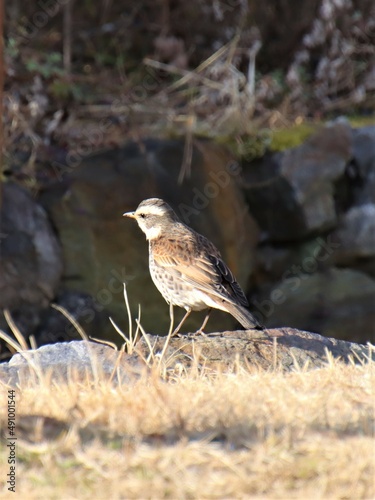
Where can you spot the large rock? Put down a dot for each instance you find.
(356, 235)
(364, 156)
(284, 349)
(79, 359)
(336, 302)
(292, 194)
(30, 263)
(102, 249)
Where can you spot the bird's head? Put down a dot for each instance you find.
(153, 216)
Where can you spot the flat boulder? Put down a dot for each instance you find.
(285, 349)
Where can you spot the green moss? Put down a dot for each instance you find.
(361, 121)
(249, 146)
(257, 143)
(291, 137)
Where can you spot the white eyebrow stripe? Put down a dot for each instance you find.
(151, 210)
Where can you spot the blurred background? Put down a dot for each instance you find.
(254, 120)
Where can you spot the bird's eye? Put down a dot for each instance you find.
(142, 216)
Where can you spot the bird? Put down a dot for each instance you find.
(187, 268)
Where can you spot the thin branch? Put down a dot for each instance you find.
(67, 36)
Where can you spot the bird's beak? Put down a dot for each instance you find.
(129, 214)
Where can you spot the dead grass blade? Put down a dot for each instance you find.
(105, 342)
(129, 313)
(120, 332)
(15, 330)
(11, 342)
(188, 75)
(33, 343)
(151, 355)
(72, 320)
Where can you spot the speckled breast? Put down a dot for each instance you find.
(174, 289)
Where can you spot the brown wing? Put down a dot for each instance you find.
(228, 281)
(195, 260)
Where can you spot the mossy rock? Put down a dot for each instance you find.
(286, 138)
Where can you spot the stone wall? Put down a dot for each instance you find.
(297, 228)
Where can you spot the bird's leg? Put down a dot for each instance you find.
(171, 315)
(188, 311)
(204, 323)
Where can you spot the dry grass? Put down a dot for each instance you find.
(198, 434)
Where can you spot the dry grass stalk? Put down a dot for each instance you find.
(216, 94)
(17, 344)
(72, 320)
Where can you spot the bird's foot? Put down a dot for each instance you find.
(191, 335)
(198, 332)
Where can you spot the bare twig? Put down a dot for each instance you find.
(189, 75)
(67, 36)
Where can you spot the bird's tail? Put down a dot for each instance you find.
(244, 316)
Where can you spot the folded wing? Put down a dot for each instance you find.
(197, 262)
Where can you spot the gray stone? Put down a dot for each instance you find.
(279, 349)
(66, 359)
(30, 265)
(292, 194)
(361, 169)
(356, 235)
(364, 149)
(30, 260)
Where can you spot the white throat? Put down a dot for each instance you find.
(152, 233)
